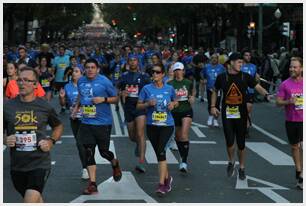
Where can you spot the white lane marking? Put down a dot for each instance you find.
(202, 142)
(53, 162)
(113, 135)
(126, 189)
(270, 153)
(59, 142)
(198, 132)
(243, 185)
(122, 118)
(99, 159)
(116, 120)
(151, 157)
(221, 162)
(199, 125)
(269, 134)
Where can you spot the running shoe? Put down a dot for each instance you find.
(168, 184)
(299, 184)
(140, 168)
(210, 120)
(117, 174)
(85, 175)
(183, 167)
(172, 144)
(91, 189)
(230, 169)
(161, 190)
(241, 173)
(215, 123)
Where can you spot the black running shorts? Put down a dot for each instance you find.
(294, 132)
(34, 180)
(178, 117)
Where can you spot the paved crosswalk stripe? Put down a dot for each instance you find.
(151, 157)
(221, 162)
(199, 125)
(202, 142)
(116, 120)
(268, 134)
(122, 118)
(99, 159)
(270, 153)
(198, 132)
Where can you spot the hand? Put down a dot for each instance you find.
(214, 111)
(151, 102)
(292, 100)
(124, 93)
(171, 105)
(62, 93)
(191, 99)
(98, 100)
(45, 145)
(74, 112)
(11, 141)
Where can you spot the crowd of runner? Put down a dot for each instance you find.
(157, 86)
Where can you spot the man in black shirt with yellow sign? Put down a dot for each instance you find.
(234, 85)
(25, 120)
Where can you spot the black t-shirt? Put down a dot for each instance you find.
(49, 56)
(234, 88)
(29, 116)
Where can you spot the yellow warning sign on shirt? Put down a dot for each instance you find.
(233, 96)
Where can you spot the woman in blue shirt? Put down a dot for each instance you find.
(159, 99)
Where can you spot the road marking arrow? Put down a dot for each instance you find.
(126, 189)
(268, 191)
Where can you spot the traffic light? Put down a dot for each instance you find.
(134, 17)
(286, 29)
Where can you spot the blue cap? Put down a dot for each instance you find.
(133, 56)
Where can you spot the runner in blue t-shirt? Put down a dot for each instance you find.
(210, 73)
(159, 99)
(130, 84)
(251, 69)
(68, 96)
(96, 93)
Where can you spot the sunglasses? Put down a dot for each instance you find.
(27, 81)
(156, 72)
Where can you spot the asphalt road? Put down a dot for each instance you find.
(269, 167)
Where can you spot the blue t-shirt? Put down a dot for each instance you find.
(251, 70)
(60, 63)
(99, 58)
(210, 73)
(158, 115)
(71, 93)
(101, 86)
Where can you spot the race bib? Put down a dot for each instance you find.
(62, 66)
(159, 118)
(26, 142)
(133, 91)
(232, 112)
(182, 95)
(45, 83)
(299, 103)
(89, 111)
(116, 75)
(78, 114)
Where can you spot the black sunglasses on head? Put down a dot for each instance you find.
(157, 72)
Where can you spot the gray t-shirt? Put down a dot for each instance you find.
(27, 117)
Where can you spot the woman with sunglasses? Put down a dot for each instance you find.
(159, 99)
(183, 113)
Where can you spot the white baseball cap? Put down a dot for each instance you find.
(178, 65)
